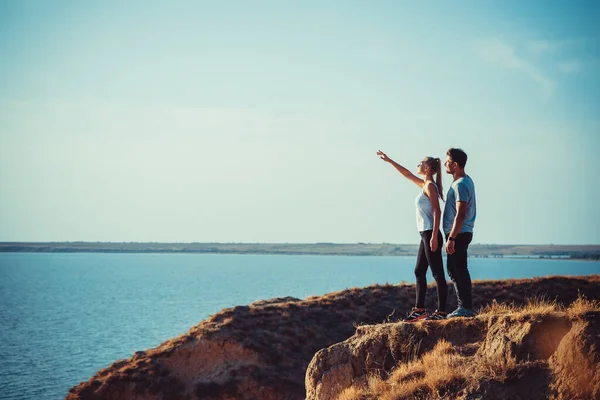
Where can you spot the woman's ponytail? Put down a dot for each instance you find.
(438, 178)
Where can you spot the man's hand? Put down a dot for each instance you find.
(450, 247)
(433, 243)
(383, 156)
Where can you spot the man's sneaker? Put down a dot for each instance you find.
(462, 312)
(436, 316)
(416, 314)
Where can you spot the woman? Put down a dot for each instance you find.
(429, 215)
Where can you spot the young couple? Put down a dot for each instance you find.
(458, 221)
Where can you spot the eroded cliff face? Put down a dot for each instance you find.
(259, 351)
(522, 356)
(262, 351)
(176, 370)
(576, 361)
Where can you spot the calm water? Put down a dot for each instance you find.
(65, 316)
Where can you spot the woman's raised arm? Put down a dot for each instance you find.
(406, 173)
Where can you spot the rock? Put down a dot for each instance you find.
(576, 362)
(377, 349)
(277, 300)
(524, 338)
(522, 356)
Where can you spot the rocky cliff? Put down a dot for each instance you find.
(263, 350)
(538, 352)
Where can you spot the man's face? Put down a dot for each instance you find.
(450, 165)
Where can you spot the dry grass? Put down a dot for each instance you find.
(432, 373)
(426, 377)
(582, 305)
(496, 367)
(351, 393)
(436, 375)
(495, 308)
(541, 306)
(377, 385)
(538, 306)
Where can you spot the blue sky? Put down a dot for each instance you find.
(259, 121)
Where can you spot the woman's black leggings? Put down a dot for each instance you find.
(426, 258)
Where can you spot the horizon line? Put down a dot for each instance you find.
(283, 243)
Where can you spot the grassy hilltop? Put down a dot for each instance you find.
(349, 345)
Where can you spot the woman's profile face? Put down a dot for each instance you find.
(422, 166)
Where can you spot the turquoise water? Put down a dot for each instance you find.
(65, 316)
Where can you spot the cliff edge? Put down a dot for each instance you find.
(263, 350)
(539, 351)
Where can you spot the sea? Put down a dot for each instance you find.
(64, 316)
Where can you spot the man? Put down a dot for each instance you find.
(459, 219)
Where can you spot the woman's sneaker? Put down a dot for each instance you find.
(436, 316)
(416, 314)
(462, 312)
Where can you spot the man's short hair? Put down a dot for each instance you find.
(458, 155)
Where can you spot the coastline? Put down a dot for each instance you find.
(583, 252)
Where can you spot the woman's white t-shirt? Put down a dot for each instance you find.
(424, 211)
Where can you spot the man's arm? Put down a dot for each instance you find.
(459, 219)
(461, 213)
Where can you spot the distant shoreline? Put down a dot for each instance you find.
(589, 252)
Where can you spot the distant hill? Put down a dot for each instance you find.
(347, 249)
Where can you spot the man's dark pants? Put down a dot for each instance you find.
(459, 271)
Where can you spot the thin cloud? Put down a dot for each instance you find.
(547, 47)
(542, 46)
(570, 67)
(500, 54)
